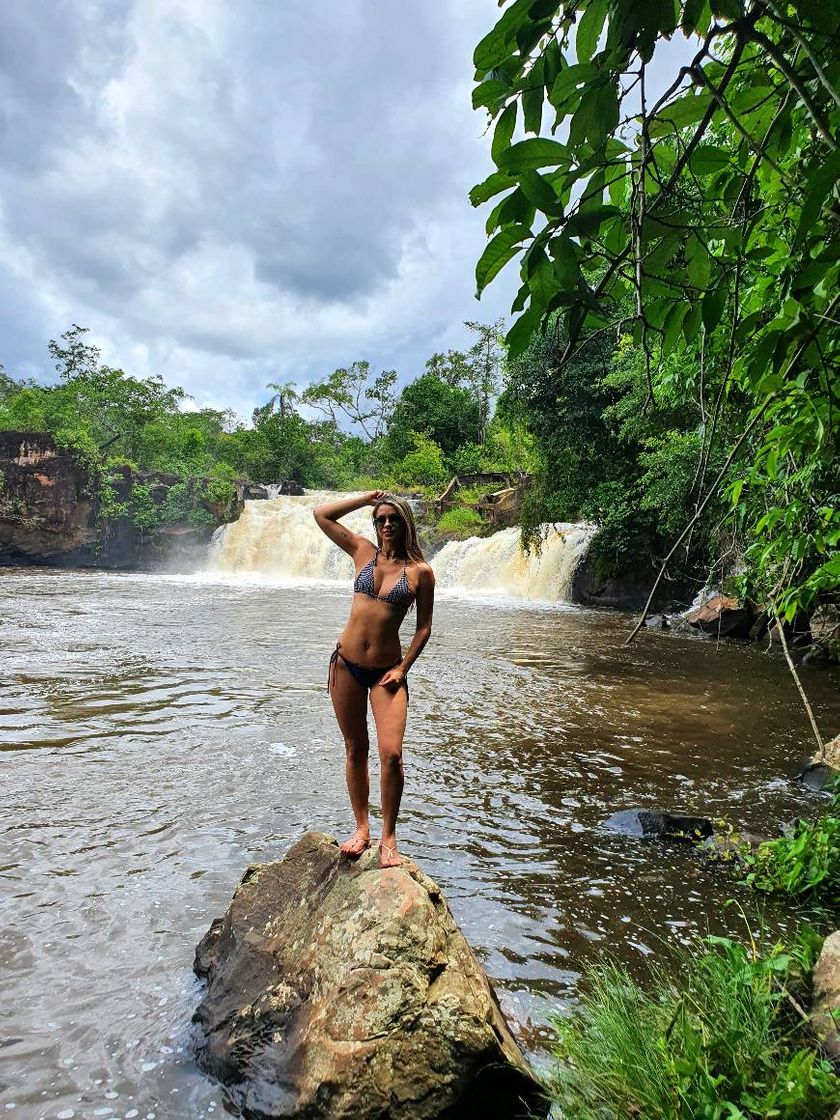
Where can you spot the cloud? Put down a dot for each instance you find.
(230, 193)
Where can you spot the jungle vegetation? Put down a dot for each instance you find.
(679, 257)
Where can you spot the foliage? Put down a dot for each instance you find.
(460, 522)
(347, 392)
(805, 862)
(725, 1043)
(703, 223)
(424, 464)
(446, 414)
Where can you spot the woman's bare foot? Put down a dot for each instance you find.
(388, 856)
(359, 842)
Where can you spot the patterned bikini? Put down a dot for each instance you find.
(400, 595)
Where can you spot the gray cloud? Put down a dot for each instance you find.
(231, 193)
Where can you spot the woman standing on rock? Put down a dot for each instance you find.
(368, 660)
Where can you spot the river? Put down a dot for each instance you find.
(160, 733)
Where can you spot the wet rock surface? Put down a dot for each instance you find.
(338, 990)
(659, 824)
(825, 1013)
(722, 616)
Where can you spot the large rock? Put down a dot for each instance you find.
(721, 616)
(825, 1011)
(822, 768)
(45, 501)
(659, 824)
(338, 991)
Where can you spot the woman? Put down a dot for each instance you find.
(368, 660)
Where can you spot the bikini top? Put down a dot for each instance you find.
(400, 594)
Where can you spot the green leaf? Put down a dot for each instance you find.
(606, 113)
(590, 28)
(707, 159)
(541, 279)
(496, 45)
(490, 93)
(698, 264)
(587, 223)
(538, 152)
(673, 326)
(520, 333)
(569, 79)
(686, 110)
(532, 106)
(691, 323)
(714, 302)
(693, 15)
(566, 267)
(540, 192)
(820, 182)
(503, 132)
(497, 253)
(491, 186)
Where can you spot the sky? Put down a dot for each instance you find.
(229, 194)
(232, 194)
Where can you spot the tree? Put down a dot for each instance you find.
(350, 393)
(484, 360)
(446, 414)
(704, 223)
(285, 396)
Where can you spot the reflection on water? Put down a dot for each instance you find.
(161, 733)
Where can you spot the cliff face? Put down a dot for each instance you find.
(45, 504)
(53, 511)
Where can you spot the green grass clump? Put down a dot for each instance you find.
(460, 522)
(804, 863)
(726, 1042)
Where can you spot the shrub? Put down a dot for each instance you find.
(726, 1043)
(424, 464)
(460, 522)
(805, 862)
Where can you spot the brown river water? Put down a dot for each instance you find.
(161, 733)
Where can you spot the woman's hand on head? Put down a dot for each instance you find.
(375, 496)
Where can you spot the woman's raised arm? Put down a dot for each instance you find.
(327, 518)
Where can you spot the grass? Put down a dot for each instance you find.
(460, 522)
(725, 1042)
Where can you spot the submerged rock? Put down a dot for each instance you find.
(730, 847)
(338, 990)
(657, 824)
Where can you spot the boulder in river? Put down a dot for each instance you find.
(822, 768)
(340, 991)
(825, 1011)
(721, 616)
(657, 824)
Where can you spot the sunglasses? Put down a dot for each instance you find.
(394, 518)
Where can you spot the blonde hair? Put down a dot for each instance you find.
(409, 546)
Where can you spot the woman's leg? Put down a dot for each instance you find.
(349, 701)
(390, 710)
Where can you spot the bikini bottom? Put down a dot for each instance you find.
(366, 677)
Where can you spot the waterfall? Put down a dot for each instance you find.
(496, 565)
(277, 540)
